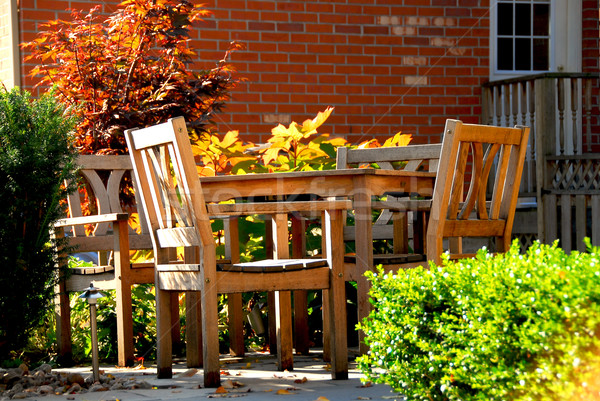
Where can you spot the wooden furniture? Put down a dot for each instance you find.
(401, 211)
(173, 198)
(110, 239)
(360, 185)
(473, 157)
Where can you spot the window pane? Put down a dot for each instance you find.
(505, 19)
(541, 52)
(523, 54)
(523, 19)
(505, 54)
(541, 19)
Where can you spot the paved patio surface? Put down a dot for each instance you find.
(251, 378)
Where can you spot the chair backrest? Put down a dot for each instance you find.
(473, 157)
(103, 179)
(416, 157)
(409, 158)
(169, 188)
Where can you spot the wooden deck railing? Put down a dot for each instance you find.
(558, 108)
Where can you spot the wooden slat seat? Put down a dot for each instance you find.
(276, 265)
(84, 271)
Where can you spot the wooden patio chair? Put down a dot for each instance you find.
(107, 243)
(177, 215)
(474, 157)
(398, 212)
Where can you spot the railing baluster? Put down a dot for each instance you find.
(506, 92)
(561, 114)
(574, 107)
(498, 102)
(514, 90)
(588, 112)
(532, 137)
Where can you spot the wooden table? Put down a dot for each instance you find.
(357, 184)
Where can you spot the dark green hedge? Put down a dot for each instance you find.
(504, 327)
(36, 155)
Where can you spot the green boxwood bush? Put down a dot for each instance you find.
(496, 327)
(36, 156)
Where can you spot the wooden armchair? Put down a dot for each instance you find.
(398, 209)
(474, 157)
(177, 215)
(110, 240)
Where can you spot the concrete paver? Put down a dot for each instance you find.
(252, 378)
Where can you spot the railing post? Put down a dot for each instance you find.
(545, 132)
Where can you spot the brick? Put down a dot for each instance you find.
(275, 97)
(261, 26)
(291, 47)
(259, 5)
(333, 18)
(404, 30)
(290, 27)
(376, 30)
(321, 69)
(417, 21)
(304, 17)
(331, 59)
(304, 78)
(348, 9)
(347, 29)
(361, 19)
(275, 36)
(295, 68)
(298, 6)
(332, 38)
(333, 99)
(348, 49)
(389, 20)
(319, 28)
(348, 89)
(416, 80)
(274, 16)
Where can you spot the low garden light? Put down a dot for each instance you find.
(91, 294)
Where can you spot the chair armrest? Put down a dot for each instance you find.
(277, 207)
(101, 218)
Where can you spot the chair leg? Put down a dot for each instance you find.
(210, 332)
(164, 359)
(236, 324)
(337, 296)
(283, 315)
(123, 294)
(193, 312)
(63, 324)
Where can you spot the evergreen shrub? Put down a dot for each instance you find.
(36, 156)
(496, 327)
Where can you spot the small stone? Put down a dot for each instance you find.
(75, 388)
(97, 387)
(117, 386)
(144, 385)
(46, 368)
(75, 378)
(188, 373)
(20, 396)
(45, 389)
(24, 368)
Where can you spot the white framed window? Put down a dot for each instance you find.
(534, 36)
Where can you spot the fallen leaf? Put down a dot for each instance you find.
(283, 392)
(188, 373)
(221, 390)
(363, 398)
(321, 398)
(301, 381)
(225, 373)
(367, 384)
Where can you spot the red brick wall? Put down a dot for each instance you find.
(591, 63)
(385, 67)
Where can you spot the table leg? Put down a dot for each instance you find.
(364, 251)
